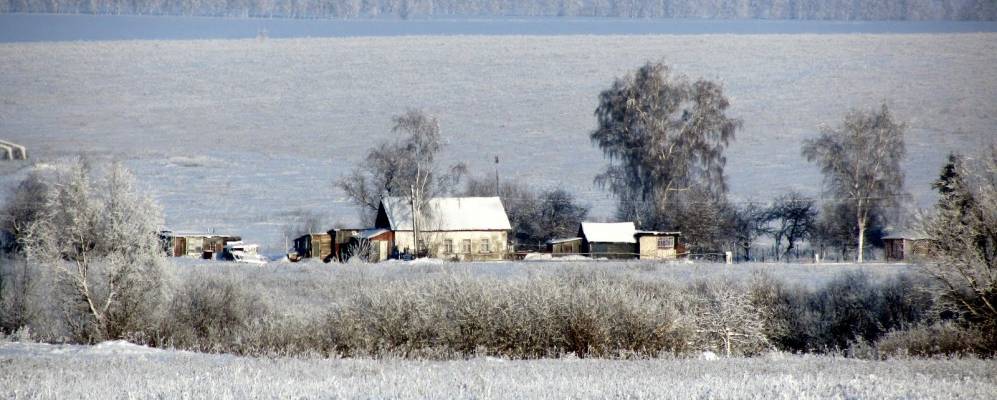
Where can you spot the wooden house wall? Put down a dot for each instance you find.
(566, 247)
(612, 250)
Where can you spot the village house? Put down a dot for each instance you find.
(453, 228)
(619, 240)
(904, 246)
(608, 239)
(654, 245)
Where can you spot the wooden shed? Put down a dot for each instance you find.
(341, 240)
(375, 242)
(655, 245)
(313, 245)
(608, 240)
(905, 246)
(564, 246)
(197, 245)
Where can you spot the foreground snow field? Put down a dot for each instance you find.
(122, 370)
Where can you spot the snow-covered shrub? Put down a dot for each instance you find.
(726, 320)
(210, 314)
(854, 307)
(587, 315)
(97, 233)
(19, 303)
(945, 338)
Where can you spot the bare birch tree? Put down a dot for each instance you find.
(406, 166)
(661, 134)
(98, 233)
(860, 161)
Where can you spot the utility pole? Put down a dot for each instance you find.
(498, 192)
(415, 222)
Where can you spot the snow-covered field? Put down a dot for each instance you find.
(117, 370)
(235, 135)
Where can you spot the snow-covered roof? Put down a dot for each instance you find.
(449, 214)
(907, 234)
(613, 232)
(371, 233)
(195, 234)
(562, 240)
(659, 233)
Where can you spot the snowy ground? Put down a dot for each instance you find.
(235, 135)
(117, 370)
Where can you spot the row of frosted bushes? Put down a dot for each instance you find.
(583, 314)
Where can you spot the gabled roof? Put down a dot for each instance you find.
(447, 214)
(613, 232)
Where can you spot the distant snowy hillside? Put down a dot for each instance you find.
(238, 135)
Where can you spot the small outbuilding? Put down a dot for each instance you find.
(312, 245)
(374, 245)
(564, 246)
(905, 246)
(608, 240)
(196, 245)
(655, 245)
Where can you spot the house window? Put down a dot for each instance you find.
(666, 242)
(448, 246)
(465, 246)
(485, 246)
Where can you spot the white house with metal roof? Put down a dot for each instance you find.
(456, 228)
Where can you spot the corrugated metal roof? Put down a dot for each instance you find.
(449, 214)
(613, 232)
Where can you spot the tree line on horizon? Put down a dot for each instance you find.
(984, 10)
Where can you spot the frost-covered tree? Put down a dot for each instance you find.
(749, 222)
(21, 209)
(98, 233)
(535, 216)
(726, 319)
(662, 134)
(406, 166)
(794, 216)
(963, 234)
(860, 161)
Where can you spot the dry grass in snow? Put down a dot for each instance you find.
(117, 370)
